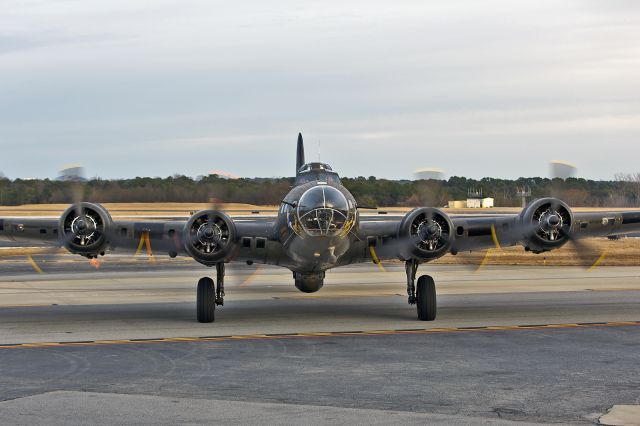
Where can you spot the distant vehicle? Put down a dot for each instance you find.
(319, 227)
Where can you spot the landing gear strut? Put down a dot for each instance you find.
(425, 296)
(209, 295)
(411, 267)
(220, 289)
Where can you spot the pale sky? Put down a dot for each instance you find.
(477, 88)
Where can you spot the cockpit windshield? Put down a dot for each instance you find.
(324, 211)
(317, 172)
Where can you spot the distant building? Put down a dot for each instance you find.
(480, 203)
(559, 169)
(72, 173)
(487, 203)
(429, 173)
(472, 203)
(455, 204)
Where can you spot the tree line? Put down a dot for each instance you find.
(624, 191)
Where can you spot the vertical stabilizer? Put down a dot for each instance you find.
(299, 153)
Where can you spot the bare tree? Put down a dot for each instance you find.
(631, 185)
(430, 193)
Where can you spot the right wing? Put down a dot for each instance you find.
(425, 234)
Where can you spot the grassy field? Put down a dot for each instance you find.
(134, 209)
(161, 209)
(625, 252)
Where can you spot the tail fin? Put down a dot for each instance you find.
(299, 153)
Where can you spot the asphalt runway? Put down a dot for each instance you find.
(511, 344)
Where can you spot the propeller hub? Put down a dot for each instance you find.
(428, 230)
(553, 226)
(208, 232)
(553, 221)
(83, 226)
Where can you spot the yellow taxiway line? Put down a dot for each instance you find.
(322, 334)
(34, 265)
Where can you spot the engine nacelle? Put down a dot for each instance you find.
(425, 233)
(209, 237)
(546, 225)
(86, 229)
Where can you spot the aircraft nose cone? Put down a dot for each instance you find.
(81, 225)
(208, 233)
(553, 221)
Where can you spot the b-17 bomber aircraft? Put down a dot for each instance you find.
(319, 227)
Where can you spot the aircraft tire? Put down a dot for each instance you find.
(206, 300)
(426, 298)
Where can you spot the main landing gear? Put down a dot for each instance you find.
(209, 296)
(424, 297)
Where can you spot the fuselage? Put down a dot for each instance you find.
(317, 220)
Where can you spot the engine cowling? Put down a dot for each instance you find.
(209, 237)
(547, 224)
(425, 233)
(85, 229)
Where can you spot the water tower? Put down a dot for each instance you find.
(560, 169)
(72, 173)
(428, 173)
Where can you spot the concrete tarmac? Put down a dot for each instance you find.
(138, 304)
(454, 375)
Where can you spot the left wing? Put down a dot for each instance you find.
(425, 234)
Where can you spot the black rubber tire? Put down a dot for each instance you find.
(426, 298)
(206, 300)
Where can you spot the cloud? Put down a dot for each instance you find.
(467, 86)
